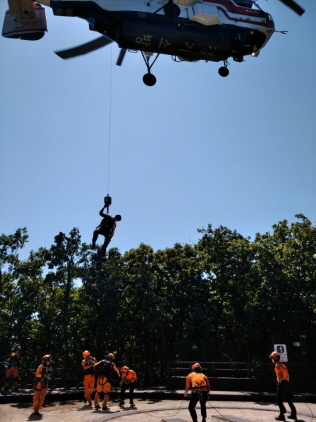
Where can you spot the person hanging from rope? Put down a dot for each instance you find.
(283, 387)
(106, 228)
(200, 387)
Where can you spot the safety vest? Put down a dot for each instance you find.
(281, 372)
(197, 379)
(40, 380)
(130, 376)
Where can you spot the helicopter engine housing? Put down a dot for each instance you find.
(31, 27)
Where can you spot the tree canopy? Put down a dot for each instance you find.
(225, 298)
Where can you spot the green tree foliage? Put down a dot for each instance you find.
(226, 298)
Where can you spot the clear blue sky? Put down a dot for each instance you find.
(193, 150)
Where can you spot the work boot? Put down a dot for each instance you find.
(280, 418)
(292, 416)
(105, 408)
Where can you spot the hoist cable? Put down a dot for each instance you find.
(109, 126)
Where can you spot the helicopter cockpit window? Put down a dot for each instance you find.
(244, 3)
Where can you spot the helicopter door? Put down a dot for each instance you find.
(204, 14)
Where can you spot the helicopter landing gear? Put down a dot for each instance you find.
(171, 10)
(149, 79)
(238, 58)
(223, 71)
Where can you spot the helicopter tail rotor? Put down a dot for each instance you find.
(294, 6)
(83, 48)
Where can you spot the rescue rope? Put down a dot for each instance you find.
(153, 416)
(110, 119)
(229, 420)
(312, 414)
(214, 408)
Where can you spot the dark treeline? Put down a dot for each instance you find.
(226, 298)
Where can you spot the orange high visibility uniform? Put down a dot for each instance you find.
(88, 377)
(40, 387)
(197, 379)
(281, 372)
(129, 377)
(13, 370)
(104, 386)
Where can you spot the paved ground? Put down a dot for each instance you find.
(151, 410)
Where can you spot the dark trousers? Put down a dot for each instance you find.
(125, 387)
(107, 240)
(193, 402)
(284, 392)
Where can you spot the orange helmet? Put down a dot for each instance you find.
(124, 369)
(196, 366)
(47, 357)
(111, 356)
(274, 355)
(86, 353)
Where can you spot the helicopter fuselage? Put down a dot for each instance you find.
(208, 30)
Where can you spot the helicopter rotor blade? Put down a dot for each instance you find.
(83, 48)
(121, 56)
(294, 6)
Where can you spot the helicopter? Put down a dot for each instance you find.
(186, 30)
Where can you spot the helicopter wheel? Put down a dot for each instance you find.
(149, 79)
(223, 71)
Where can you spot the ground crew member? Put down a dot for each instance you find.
(200, 387)
(40, 385)
(106, 228)
(104, 371)
(283, 387)
(128, 380)
(13, 367)
(87, 364)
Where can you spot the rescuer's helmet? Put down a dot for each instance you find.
(86, 353)
(196, 367)
(275, 355)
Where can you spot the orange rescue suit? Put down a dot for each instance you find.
(40, 387)
(281, 372)
(197, 379)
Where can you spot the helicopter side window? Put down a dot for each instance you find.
(244, 3)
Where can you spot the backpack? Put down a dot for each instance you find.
(103, 368)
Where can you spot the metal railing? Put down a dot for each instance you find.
(69, 374)
(240, 369)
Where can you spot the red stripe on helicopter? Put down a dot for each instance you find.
(266, 23)
(238, 9)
